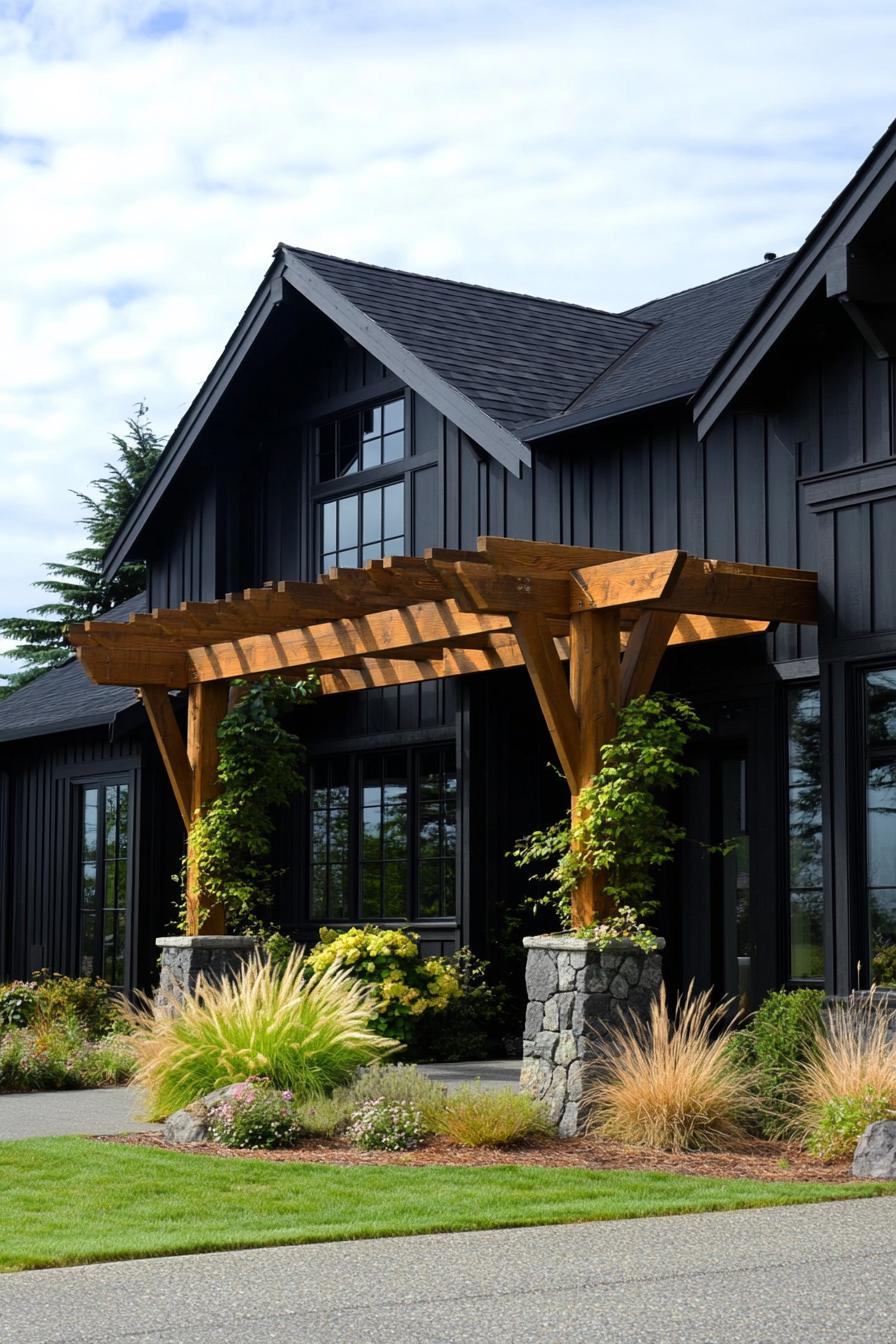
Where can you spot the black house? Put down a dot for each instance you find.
(359, 412)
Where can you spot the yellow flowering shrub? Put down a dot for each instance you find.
(406, 985)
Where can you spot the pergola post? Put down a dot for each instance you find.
(206, 707)
(594, 688)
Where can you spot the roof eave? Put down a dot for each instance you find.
(592, 415)
(849, 213)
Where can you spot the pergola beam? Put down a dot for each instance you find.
(407, 619)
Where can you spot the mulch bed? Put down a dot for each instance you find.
(755, 1159)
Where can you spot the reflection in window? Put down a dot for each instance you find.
(383, 835)
(804, 849)
(880, 834)
(329, 839)
(364, 526)
(361, 440)
(436, 832)
(736, 878)
(104, 880)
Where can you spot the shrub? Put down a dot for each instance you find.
(480, 1117)
(852, 1075)
(841, 1121)
(305, 1035)
(60, 1056)
(17, 1003)
(388, 960)
(402, 1083)
(669, 1082)
(883, 965)
(255, 1115)
(393, 1126)
(774, 1048)
(60, 998)
(470, 1026)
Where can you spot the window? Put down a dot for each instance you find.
(804, 827)
(880, 827)
(103, 880)
(383, 835)
(363, 526)
(361, 440)
(363, 523)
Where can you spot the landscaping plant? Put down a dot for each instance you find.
(391, 1126)
(60, 1055)
(669, 1082)
(480, 1117)
(622, 827)
(851, 1079)
(259, 769)
(401, 1083)
(472, 1023)
(255, 1115)
(307, 1035)
(773, 1048)
(402, 984)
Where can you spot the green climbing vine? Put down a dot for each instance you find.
(259, 769)
(622, 825)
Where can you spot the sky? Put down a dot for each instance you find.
(153, 153)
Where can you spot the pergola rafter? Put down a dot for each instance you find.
(609, 614)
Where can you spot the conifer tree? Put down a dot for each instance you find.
(77, 586)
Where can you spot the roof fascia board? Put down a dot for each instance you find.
(266, 299)
(543, 429)
(785, 298)
(500, 443)
(53, 729)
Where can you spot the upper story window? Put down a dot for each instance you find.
(356, 524)
(361, 440)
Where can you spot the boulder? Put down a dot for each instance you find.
(187, 1126)
(191, 1124)
(875, 1157)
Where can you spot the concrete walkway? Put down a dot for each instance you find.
(112, 1110)
(819, 1273)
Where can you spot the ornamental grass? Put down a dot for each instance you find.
(479, 1117)
(851, 1079)
(669, 1082)
(303, 1035)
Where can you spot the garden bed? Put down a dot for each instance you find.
(755, 1159)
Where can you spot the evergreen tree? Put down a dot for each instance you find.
(78, 588)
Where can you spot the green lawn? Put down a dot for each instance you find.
(71, 1201)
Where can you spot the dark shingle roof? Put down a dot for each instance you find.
(517, 357)
(65, 698)
(688, 332)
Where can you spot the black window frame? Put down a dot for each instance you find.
(120, 954)
(792, 688)
(867, 754)
(354, 762)
(362, 481)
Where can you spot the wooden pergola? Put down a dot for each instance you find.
(609, 614)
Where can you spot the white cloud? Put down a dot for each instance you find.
(152, 154)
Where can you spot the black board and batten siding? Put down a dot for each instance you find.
(40, 830)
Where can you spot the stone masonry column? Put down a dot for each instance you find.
(576, 991)
(184, 959)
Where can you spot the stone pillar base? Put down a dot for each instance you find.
(576, 991)
(214, 956)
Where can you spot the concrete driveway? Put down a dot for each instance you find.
(812, 1273)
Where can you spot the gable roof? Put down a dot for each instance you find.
(514, 356)
(685, 334)
(64, 698)
(807, 269)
